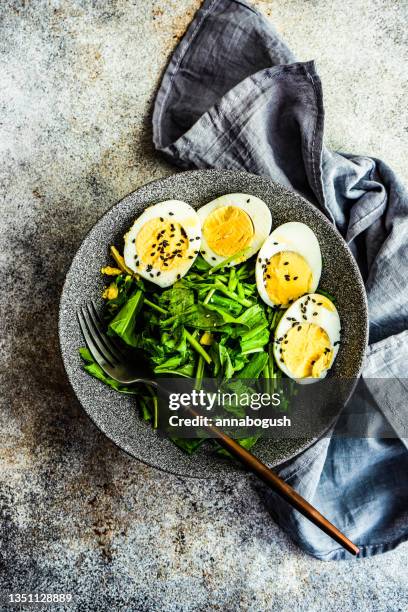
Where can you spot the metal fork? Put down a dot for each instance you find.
(107, 353)
(113, 361)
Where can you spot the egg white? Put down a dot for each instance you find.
(328, 320)
(173, 211)
(259, 214)
(292, 236)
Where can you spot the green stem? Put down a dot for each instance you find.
(171, 319)
(199, 373)
(190, 338)
(240, 291)
(233, 296)
(208, 296)
(271, 361)
(242, 272)
(155, 407)
(197, 346)
(232, 281)
(155, 306)
(227, 261)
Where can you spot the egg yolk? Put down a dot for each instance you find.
(111, 292)
(287, 276)
(161, 244)
(227, 230)
(306, 351)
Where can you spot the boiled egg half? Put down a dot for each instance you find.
(163, 242)
(289, 264)
(307, 338)
(236, 223)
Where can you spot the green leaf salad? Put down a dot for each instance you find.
(211, 323)
(213, 294)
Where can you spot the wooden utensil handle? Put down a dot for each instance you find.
(279, 486)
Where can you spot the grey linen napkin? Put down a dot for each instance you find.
(233, 97)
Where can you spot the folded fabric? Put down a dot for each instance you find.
(233, 97)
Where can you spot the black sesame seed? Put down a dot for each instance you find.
(171, 214)
(151, 274)
(213, 258)
(299, 328)
(158, 274)
(313, 300)
(315, 314)
(151, 254)
(197, 237)
(178, 275)
(161, 219)
(190, 257)
(149, 268)
(196, 252)
(171, 235)
(133, 239)
(276, 243)
(248, 201)
(295, 277)
(305, 317)
(165, 264)
(312, 362)
(320, 303)
(178, 255)
(259, 260)
(203, 252)
(286, 341)
(285, 263)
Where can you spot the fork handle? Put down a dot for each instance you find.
(278, 485)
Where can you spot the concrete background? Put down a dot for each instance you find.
(77, 79)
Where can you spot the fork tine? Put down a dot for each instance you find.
(99, 352)
(108, 342)
(93, 349)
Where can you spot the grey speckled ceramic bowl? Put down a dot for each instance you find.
(115, 414)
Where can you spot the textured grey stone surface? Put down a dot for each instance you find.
(77, 515)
